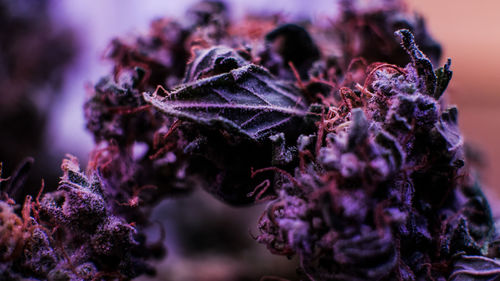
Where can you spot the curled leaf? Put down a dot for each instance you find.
(443, 75)
(421, 63)
(212, 61)
(475, 268)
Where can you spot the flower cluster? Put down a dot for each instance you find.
(342, 129)
(69, 234)
(387, 194)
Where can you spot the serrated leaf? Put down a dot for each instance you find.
(247, 100)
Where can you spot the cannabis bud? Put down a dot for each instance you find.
(361, 161)
(385, 194)
(68, 234)
(341, 129)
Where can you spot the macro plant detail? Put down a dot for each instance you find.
(342, 130)
(68, 233)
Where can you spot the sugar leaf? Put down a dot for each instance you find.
(247, 100)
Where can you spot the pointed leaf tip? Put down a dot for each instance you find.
(422, 64)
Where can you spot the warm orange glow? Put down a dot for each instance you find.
(470, 35)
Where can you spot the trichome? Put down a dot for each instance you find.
(341, 129)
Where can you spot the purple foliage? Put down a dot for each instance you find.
(361, 161)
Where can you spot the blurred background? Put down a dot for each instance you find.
(468, 31)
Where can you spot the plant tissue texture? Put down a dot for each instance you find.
(340, 128)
